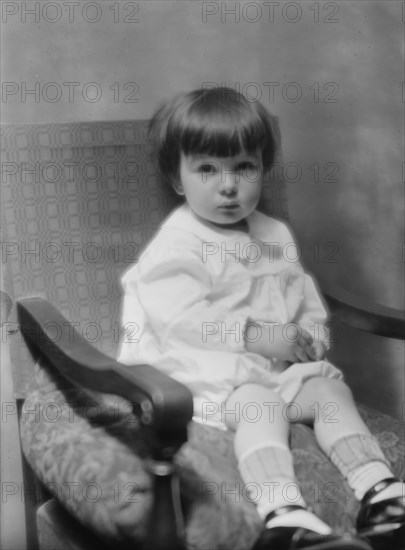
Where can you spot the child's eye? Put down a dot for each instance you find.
(244, 166)
(208, 168)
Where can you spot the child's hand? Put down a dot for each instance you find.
(290, 343)
(318, 351)
(286, 342)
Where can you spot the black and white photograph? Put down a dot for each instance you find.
(202, 287)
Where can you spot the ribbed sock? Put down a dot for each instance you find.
(271, 468)
(365, 477)
(361, 461)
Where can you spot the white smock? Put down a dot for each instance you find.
(195, 289)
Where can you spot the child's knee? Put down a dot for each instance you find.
(251, 403)
(328, 389)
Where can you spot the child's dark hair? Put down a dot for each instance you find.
(220, 122)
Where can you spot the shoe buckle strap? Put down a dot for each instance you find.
(285, 510)
(378, 487)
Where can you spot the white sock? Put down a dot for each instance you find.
(269, 472)
(300, 518)
(361, 461)
(270, 467)
(366, 476)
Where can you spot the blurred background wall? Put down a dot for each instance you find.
(332, 72)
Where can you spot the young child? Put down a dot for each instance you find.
(222, 308)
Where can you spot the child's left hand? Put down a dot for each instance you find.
(317, 351)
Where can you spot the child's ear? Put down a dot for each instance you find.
(178, 188)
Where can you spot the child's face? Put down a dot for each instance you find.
(221, 190)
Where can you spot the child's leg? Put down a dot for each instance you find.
(343, 436)
(265, 460)
(255, 413)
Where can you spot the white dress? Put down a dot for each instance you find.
(196, 287)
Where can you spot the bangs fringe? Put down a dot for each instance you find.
(222, 136)
(220, 123)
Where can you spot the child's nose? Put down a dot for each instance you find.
(229, 182)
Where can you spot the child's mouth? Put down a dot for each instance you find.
(232, 206)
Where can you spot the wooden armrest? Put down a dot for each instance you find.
(352, 310)
(166, 406)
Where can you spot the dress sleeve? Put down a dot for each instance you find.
(312, 314)
(172, 288)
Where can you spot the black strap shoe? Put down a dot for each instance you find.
(382, 523)
(298, 538)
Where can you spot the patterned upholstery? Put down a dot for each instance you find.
(80, 200)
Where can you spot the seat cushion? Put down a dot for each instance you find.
(88, 450)
(57, 529)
